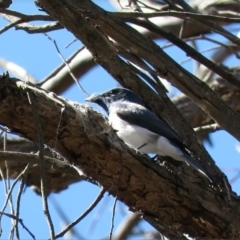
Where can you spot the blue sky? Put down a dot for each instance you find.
(38, 56)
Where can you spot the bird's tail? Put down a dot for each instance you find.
(195, 164)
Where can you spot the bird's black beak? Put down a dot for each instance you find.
(94, 98)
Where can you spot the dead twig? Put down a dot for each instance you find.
(41, 163)
(23, 177)
(90, 208)
(67, 65)
(19, 220)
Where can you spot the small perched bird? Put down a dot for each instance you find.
(140, 128)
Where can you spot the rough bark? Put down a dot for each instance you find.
(96, 24)
(58, 180)
(183, 200)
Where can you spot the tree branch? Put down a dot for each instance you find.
(162, 198)
(84, 62)
(128, 16)
(94, 38)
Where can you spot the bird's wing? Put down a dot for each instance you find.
(141, 116)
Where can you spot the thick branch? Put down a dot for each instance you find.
(195, 116)
(104, 52)
(172, 25)
(183, 199)
(192, 113)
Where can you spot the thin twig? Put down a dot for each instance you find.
(19, 21)
(10, 25)
(113, 216)
(9, 193)
(23, 176)
(64, 217)
(206, 20)
(19, 220)
(182, 29)
(195, 63)
(41, 163)
(90, 208)
(32, 28)
(98, 214)
(202, 51)
(9, 187)
(180, 14)
(148, 7)
(5, 187)
(58, 69)
(36, 17)
(73, 41)
(149, 80)
(189, 50)
(221, 44)
(116, 198)
(67, 65)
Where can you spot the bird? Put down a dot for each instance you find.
(140, 128)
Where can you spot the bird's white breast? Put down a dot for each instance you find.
(135, 136)
(143, 139)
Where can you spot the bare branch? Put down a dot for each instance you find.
(60, 79)
(38, 128)
(28, 18)
(30, 28)
(10, 25)
(23, 177)
(67, 65)
(80, 218)
(19, 21)
(19, 220)
(112, 219)
(170, 24)
(190, 52)
(128, 16)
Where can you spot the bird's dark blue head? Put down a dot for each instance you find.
(115, 95)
